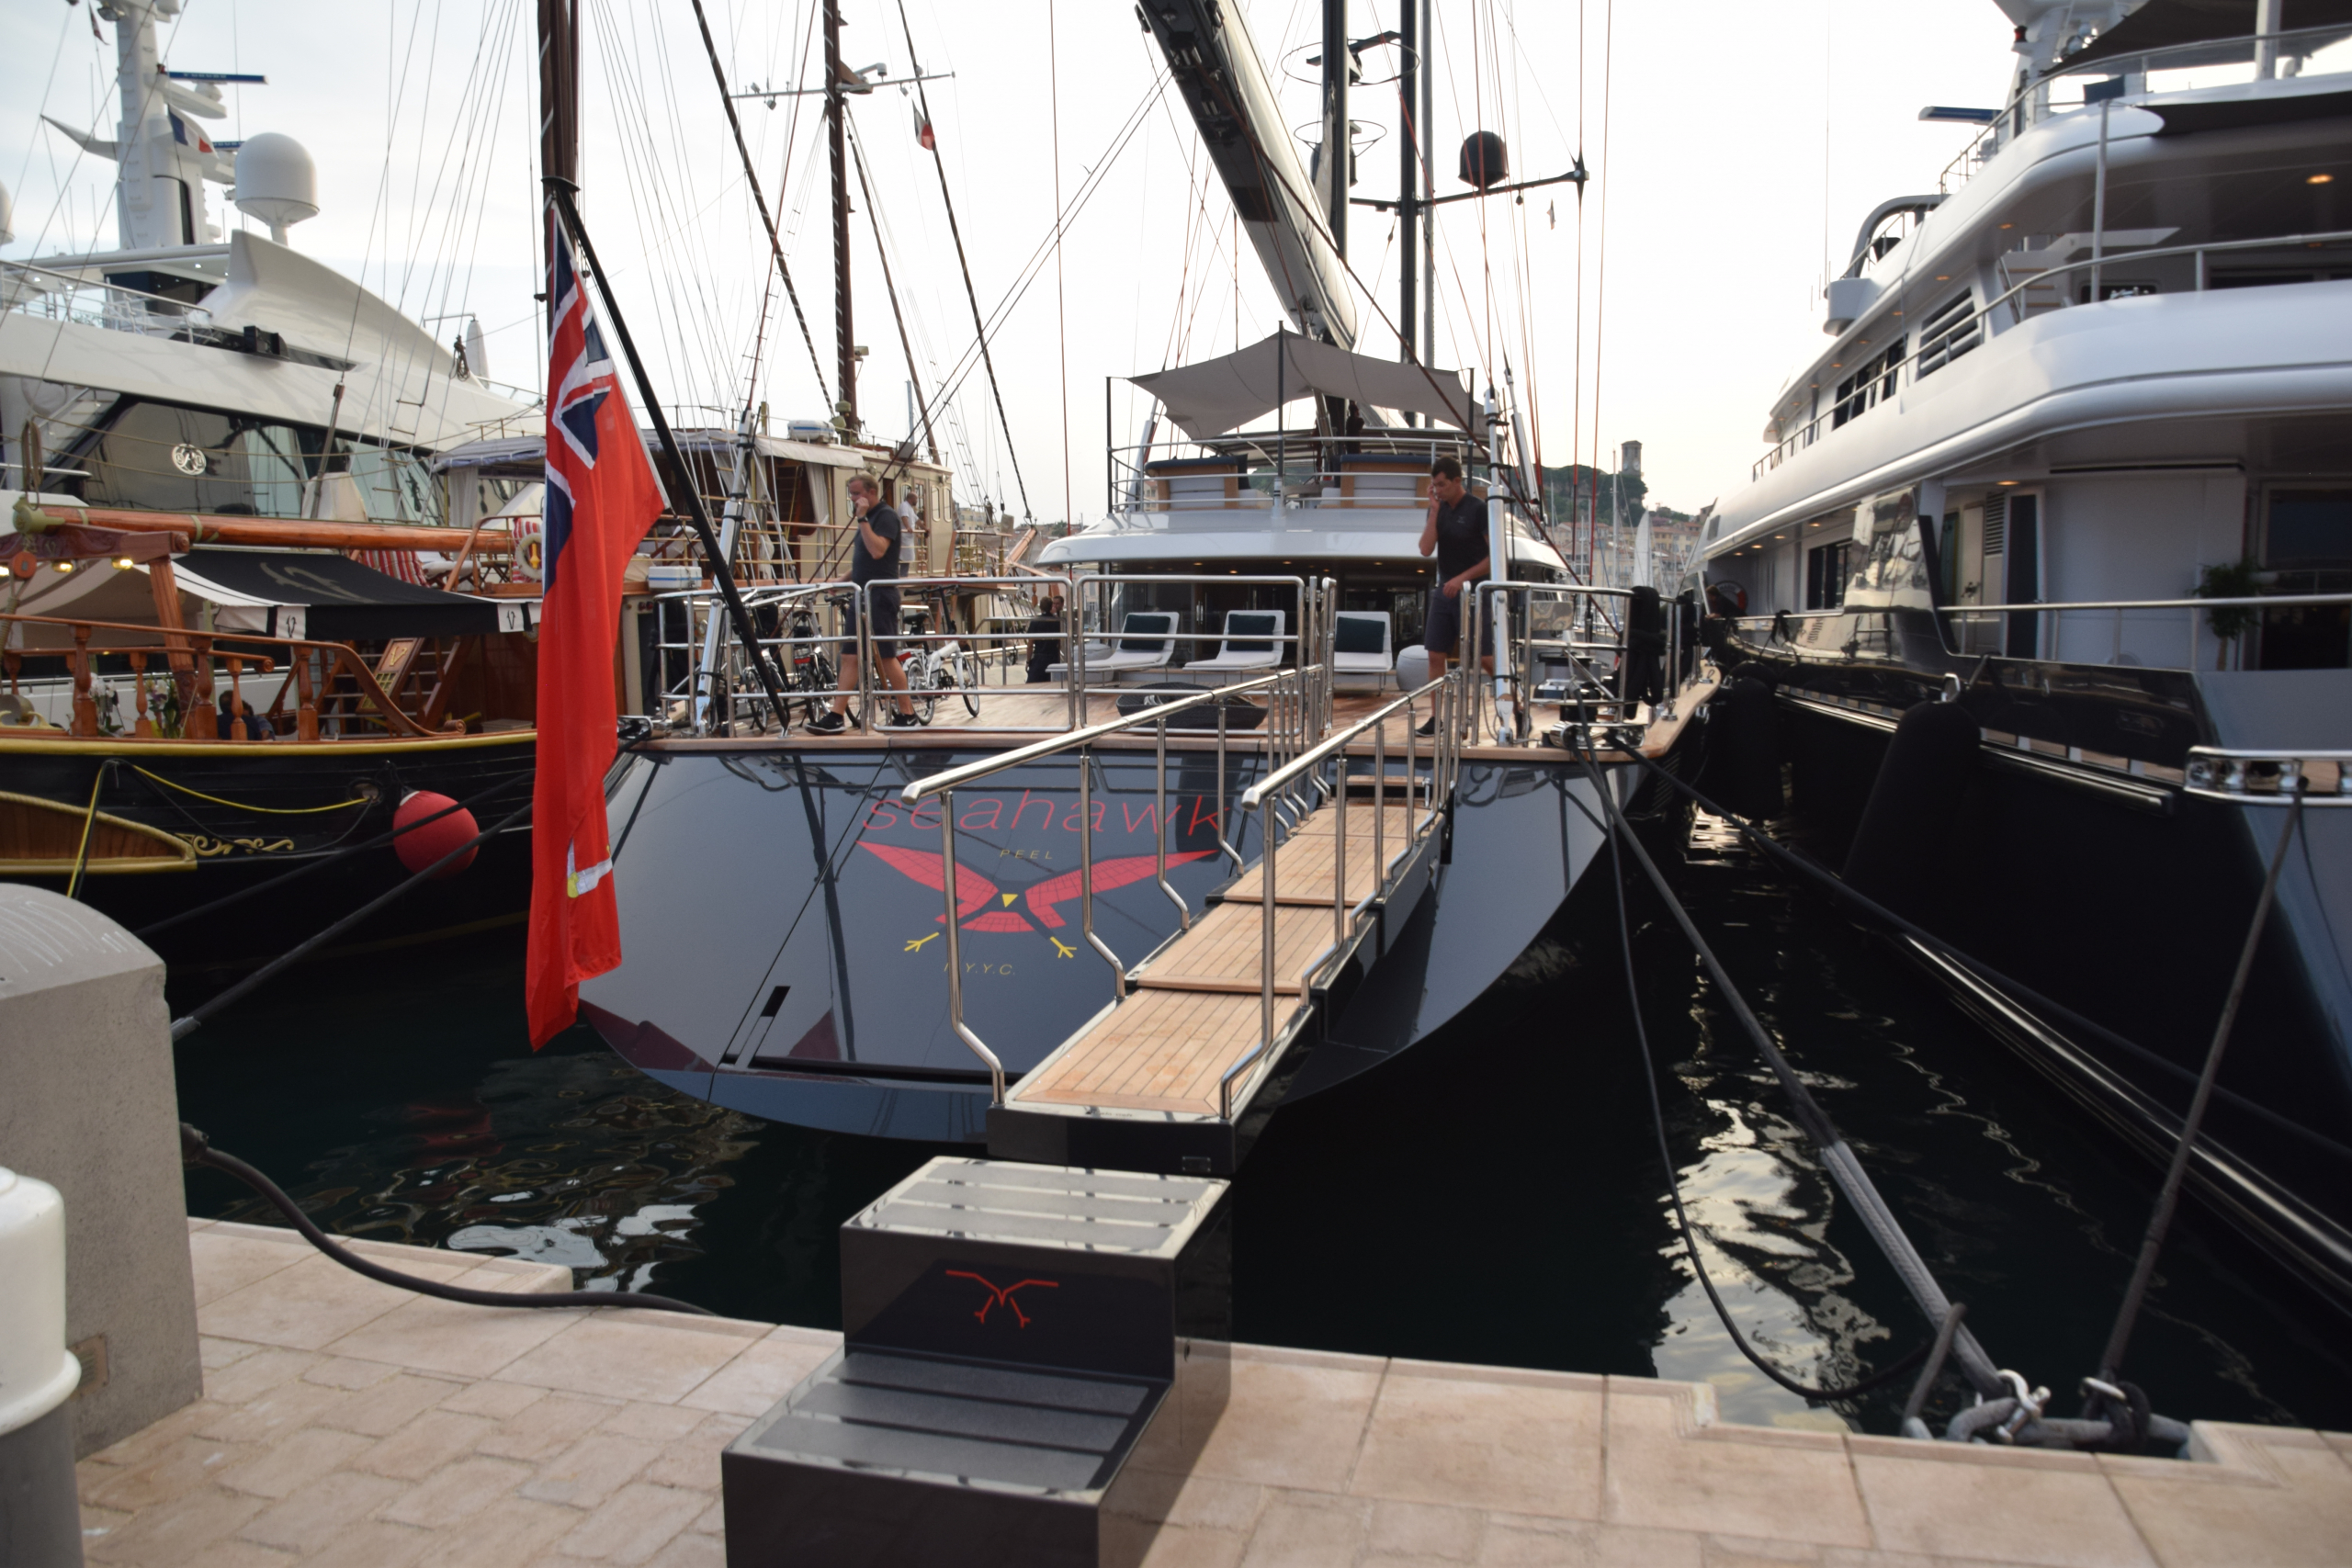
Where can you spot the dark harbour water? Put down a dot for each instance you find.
(1493, 1196)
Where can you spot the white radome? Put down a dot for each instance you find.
(8, 217)
(276, 182)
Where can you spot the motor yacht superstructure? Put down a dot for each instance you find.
(2074, 456)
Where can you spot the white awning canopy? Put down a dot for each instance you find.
(1217, 395)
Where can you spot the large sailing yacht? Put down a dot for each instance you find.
(1263, 570)
(2075, 454)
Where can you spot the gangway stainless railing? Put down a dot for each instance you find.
(944, 784)
(1445, 695)
(1588, 606)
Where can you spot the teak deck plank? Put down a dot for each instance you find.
(1160, 1050)
(1224, 948)
(1302, 867)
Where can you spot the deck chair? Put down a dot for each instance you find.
(1146, 641)
(1361, 657)
(1250, 644)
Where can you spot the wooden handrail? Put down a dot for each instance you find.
(211, 528)
(201, 721)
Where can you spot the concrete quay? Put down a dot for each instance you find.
(348, 1423)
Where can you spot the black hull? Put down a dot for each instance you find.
(781, 916)
(163, 785)
(2128, 900)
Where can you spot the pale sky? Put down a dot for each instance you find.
(1741, 143)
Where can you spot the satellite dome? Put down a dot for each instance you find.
(8, 217)
(276, 182)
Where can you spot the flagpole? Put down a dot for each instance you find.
(559, 193)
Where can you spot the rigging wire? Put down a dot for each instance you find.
(1061, 308)
(759, 198)
(922, 101)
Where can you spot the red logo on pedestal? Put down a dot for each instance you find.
(1002, 1295)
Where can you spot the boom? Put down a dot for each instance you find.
(1224, 82)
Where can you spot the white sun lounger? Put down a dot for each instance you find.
(1146, 641)
(1361, 656)
(1252, 643)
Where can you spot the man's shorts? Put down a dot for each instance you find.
(886, 619)
(1441, 627)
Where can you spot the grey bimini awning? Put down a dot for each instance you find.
(1216, 395)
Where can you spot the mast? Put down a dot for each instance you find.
(1338, 153)
(836, 107)
(1409, 183)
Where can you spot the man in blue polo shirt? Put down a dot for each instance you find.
(1455, 533)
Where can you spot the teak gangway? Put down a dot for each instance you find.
(1180, 1070)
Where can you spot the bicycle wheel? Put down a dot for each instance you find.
(965, 673)
(921, 683)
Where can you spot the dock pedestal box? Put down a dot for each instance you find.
(1011, 1331)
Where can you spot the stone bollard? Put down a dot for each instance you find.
(88, 1105)
(41, 1520)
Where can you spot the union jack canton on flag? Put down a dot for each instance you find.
(601, 498)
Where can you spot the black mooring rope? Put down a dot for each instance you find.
(1666, 1157)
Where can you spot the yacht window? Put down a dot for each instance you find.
(1825, 569)
(157, 456)
(2308, 529)
(1952, 329)
(2307, 548)
(1869, 386)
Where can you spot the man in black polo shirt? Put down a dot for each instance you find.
(873, 560)
(1455, 533)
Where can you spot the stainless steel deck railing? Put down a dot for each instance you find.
(2045, 640)
(1444, 694)
(1586, 606)
(944, 785)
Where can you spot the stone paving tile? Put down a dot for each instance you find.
(546, 1426)
(452, 1337)
(2002, 1513)
(425, 1444)
(2191, 1522)
(765, 1371)
(501, 1400)
(312, 1517)
(1526, 1446)
(390, 1404)
(284, 1468)
(660, 1356)
(1295, 1423)
(169, 1533)
(268, 1416)
(591, 1470)
(257, 1374)
(598, 1443)
(517, 1532)
(457, 1492)
(313, 1303)
(372, 1543)
(186, 1465)
(635, 1523)
(230, 1261)
(1662, 1471)
(1512, 1540)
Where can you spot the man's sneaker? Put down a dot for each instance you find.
(826, 724)
(904, 721)
(1429, 726)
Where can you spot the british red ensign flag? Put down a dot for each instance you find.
(601, 498)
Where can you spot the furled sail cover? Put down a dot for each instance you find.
(1217, 395)
(2171, 24)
